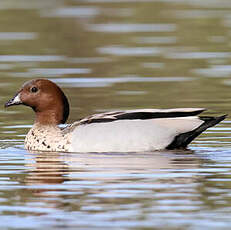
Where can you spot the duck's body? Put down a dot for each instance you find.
(119, 131)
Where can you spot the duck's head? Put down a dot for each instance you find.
(45, 98)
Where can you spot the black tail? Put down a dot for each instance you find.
(182, 140)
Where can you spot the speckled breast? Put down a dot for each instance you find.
(47, 138)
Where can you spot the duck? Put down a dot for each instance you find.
(137, 130)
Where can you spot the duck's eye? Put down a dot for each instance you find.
(34, 89)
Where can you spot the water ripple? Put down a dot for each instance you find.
(18, 36)
(156, 40)
(105, 82)
(58, 71)
(130, 51)
(198, 55)
(131, 28)
(81, 12)
(193, 14)
(31, 58)
(214, 71)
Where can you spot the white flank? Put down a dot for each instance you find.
(130, 135)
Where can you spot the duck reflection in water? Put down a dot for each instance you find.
(79, 180)
(60, 168)
(47, 168)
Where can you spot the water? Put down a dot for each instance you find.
(108, 55)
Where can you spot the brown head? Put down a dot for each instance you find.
(46, 99)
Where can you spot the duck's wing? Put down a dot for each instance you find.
(139, 114)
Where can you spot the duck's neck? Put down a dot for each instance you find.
(48, 117)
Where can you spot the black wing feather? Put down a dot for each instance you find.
(149, 115)
(183, 139)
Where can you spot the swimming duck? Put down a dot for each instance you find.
(117, 131)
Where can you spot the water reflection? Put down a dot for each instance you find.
(46, 169)
(114, 176)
